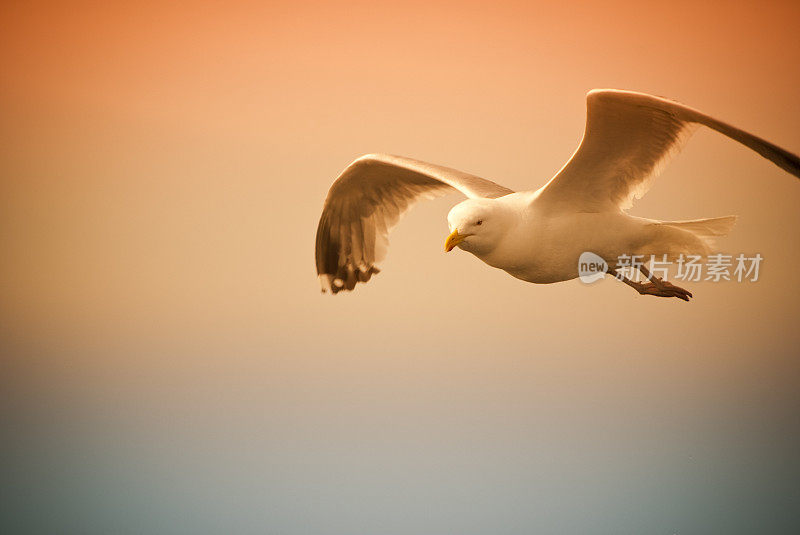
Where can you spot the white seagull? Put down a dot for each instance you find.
(538, 236)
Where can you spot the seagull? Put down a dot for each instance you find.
(538, 236)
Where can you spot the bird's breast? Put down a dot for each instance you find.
(545, 249)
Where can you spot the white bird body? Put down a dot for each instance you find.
(542, 245)
(555, 242)
(537, 236)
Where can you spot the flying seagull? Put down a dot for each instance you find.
(538, 236)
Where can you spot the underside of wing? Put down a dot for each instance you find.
(367, 200)
(628, 138)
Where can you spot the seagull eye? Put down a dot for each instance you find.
(479, 222)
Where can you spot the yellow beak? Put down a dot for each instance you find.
(452, 240)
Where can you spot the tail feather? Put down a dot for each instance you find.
(695, 237)
(706, 228)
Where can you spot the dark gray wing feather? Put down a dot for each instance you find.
(366, 201)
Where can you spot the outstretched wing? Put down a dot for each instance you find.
(628, 138)
(365, 203)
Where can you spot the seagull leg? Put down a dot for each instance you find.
(655, 286)
(666, 286)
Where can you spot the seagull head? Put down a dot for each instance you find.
(476, 225)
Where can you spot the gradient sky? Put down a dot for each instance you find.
(171, 367)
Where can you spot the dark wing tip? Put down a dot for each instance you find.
(346, 278)
(336, 271)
